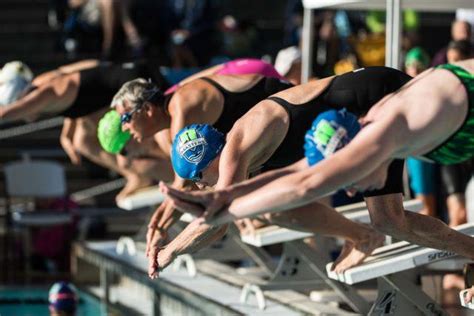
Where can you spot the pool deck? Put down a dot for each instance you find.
(202, 294)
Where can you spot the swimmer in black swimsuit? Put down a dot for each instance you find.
(81, 92)
(219, 100)
(271, 136)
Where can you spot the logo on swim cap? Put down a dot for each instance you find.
(331, 131)
(329, 137)
(192, 146)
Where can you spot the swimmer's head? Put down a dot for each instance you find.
(458, 50)
(460, 30)
(141, 105)
(110, 134)
(195, 147)
(63, 299)
(416, 61)
(331, 131)
(15, 80)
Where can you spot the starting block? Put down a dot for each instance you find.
(301, 268)
(142, 198)
(396, 294)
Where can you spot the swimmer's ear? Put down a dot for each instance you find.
(149, 109)
(363, 121)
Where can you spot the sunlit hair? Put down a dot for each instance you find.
(136, 92)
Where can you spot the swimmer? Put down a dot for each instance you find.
(80, 92)
(218, 100)
(275, 140)
(148, 159)
(431, 117)
(63, 299)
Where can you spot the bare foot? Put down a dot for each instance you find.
(134, 183)
(453, 281)
(354, 253)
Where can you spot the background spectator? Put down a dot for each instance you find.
(458, 50)
(193, 36)
(460, 30)
(239, 38)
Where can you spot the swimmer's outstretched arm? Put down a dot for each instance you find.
(374, 145)
(218, 200)
(243, 188)
(164, 217)
(194, 237)
(32, 104)
(29, 105)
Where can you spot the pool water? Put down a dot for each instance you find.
(27, 301)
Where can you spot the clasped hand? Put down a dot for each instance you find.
(210, 206)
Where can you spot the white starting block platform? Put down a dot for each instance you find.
(401, 256)
(301, 267)
(142, 198)
(398, 295)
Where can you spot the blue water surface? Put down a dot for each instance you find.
(33, 302)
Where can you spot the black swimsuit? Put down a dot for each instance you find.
(236, 104)
(356, 91)
(98, 85)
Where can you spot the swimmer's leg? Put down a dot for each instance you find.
(86, 143)
(316, 217)
(389, 217)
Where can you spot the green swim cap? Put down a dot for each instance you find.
(110, 134)
(417, 54)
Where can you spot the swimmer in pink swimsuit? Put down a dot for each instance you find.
(244, 66)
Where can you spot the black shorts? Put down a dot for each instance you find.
(394, 182)
(454, 178)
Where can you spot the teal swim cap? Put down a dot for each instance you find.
(110, 134)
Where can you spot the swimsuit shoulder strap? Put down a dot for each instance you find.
(214, 84)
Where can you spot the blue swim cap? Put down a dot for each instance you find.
(63, 297)
(330, 131)
(194, 148)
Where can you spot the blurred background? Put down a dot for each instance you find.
(181, 37)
